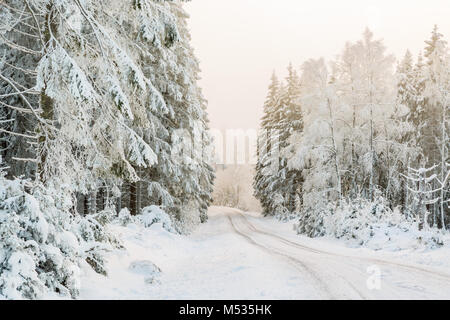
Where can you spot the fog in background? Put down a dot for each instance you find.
(240, 42)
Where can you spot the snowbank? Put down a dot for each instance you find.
(154, 214)
(370, 224)
(149, 216)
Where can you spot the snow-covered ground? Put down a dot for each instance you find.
(243, 256)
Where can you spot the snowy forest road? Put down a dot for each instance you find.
(341, 275)
(243, 256)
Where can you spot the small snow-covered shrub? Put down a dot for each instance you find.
(42, 244)
(125, 217)
(105, 216)
(280, 212)
(312, 214)
(153, 214)
(95, 240)
(188, 219)
(283, 214)
(370, 224)
(38, 253)
(311, 221)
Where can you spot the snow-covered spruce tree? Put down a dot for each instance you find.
(183, 176)
(267, 157)
(417, 111)
(192, 124)
(276, 186)
(17, 68)
(291, 122)
(410, 86)
(406, 81)
(152, 29)
(397, 145)
(42, 244)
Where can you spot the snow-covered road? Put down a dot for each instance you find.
(344, 275)
(243, 256)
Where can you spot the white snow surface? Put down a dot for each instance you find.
(238, 255)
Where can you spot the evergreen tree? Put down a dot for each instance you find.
(276, 186)
(264, 145)
(417, 107)
(406, 81)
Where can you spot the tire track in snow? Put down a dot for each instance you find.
(299, 265)
(446, 277)
(421, 273)
(293, 259)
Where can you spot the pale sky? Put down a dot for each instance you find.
(240, 42)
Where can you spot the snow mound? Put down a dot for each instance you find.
(147, 269)
(144, 267)
(153, 214)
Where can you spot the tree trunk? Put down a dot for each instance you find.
(93, 202)
(119, 201)
(101, 198)
(443, 162)
(335, 151)
(138, 193)
(46, 103)
(133, 199)
(86, 204)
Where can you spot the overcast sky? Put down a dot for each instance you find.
(240, 42)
